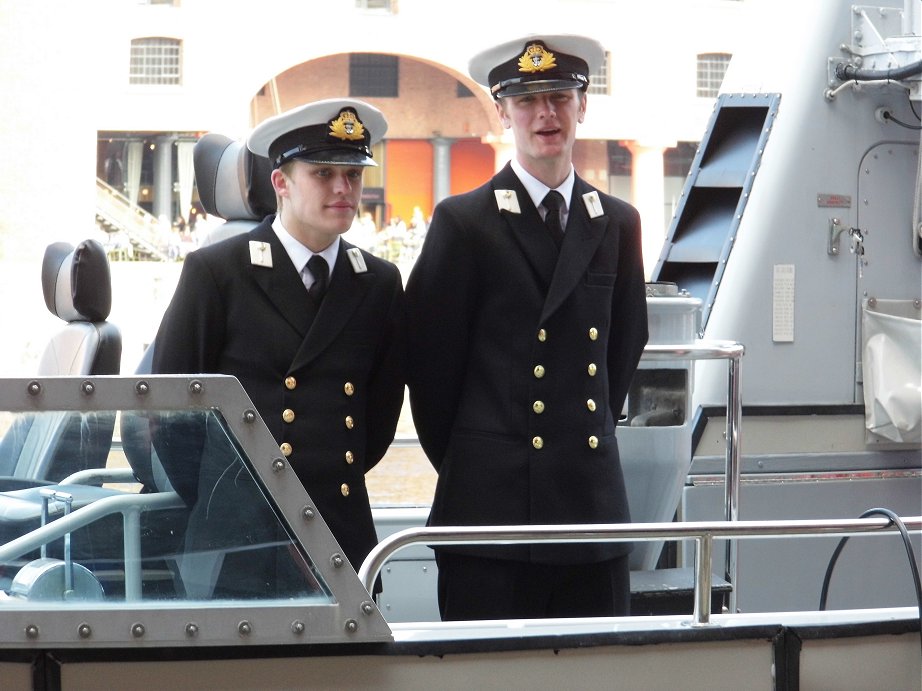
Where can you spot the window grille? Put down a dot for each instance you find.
(598, 82)
(711, 70)
(155, 61)
(372, 74)
(382, 5)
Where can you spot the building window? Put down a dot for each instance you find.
(677, 161)
(620, 159)
(371, 74)
(155, 61)
(598, 82)
(389, 6)
(711, 70)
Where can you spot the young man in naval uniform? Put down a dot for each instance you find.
(524, 336)
(313, 327)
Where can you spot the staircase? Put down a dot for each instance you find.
(116, 214)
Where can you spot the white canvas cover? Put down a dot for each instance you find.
(892, 365)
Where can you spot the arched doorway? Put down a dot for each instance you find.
(436, 121)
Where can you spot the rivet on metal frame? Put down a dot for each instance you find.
(88, 388)
(337, 561)
(249, 416)
(244, 628)
(351, 626)
(191, 629)
(34, 388)
(142, 388)
(307, 513)
(138, 630)
(84, 630)
(31, 631)
(196, 387)
(278, 465)
(298, 627)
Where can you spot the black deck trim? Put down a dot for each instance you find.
(767, 632)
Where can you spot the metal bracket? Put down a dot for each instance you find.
(832, 241)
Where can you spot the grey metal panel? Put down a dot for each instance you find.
(350, 617)
(787, 575)
(703, 230)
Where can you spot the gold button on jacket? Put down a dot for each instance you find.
(538, 407)
(288, 415)
(592, 369)
(537, 442)
(593, 334)
(290, 383)
(344, 488)
(349, 388)
(350, 423)
(539, 371)
(593, 442)
(591, 405)
(285, 449)
(350, 457)
(542, 335)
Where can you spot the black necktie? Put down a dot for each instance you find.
(552, 201)
(320, 270)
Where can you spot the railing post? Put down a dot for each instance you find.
(732, 474)
(131, 520)
(703, 550)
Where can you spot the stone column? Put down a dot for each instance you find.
(163, 177)
(648, 192)
(504, 147)
(441, 168)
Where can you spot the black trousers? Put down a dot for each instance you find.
(481, 588)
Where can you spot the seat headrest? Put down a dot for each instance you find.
(233, 182)
(76, 281)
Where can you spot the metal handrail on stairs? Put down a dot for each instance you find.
(115, 212)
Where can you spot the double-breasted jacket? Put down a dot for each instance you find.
(328, 383)
(522, 357)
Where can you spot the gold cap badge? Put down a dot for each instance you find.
(536, 59)
(347, 127)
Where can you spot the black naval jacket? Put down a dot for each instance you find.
(330, 392)
(521, 362)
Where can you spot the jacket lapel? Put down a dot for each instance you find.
(347, 290)
(538, 248)
(580, 242)
(281, 282)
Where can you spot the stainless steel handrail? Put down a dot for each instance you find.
(733, 353)
(129, 505)
(703, 532)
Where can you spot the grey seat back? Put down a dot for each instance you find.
(233, 184)
(77, 287)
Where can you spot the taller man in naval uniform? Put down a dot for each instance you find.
(527, 318)
(313, 327)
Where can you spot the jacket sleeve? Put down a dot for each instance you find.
(388, 379)
(629, 313)
(191, 333)
(441, 296)
(187, 342)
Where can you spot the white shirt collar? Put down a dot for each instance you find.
(537, 190)
(298, 253)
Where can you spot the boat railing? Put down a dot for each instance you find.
(708, 350)
(702, 532)
(129, 505)
(733, 353)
